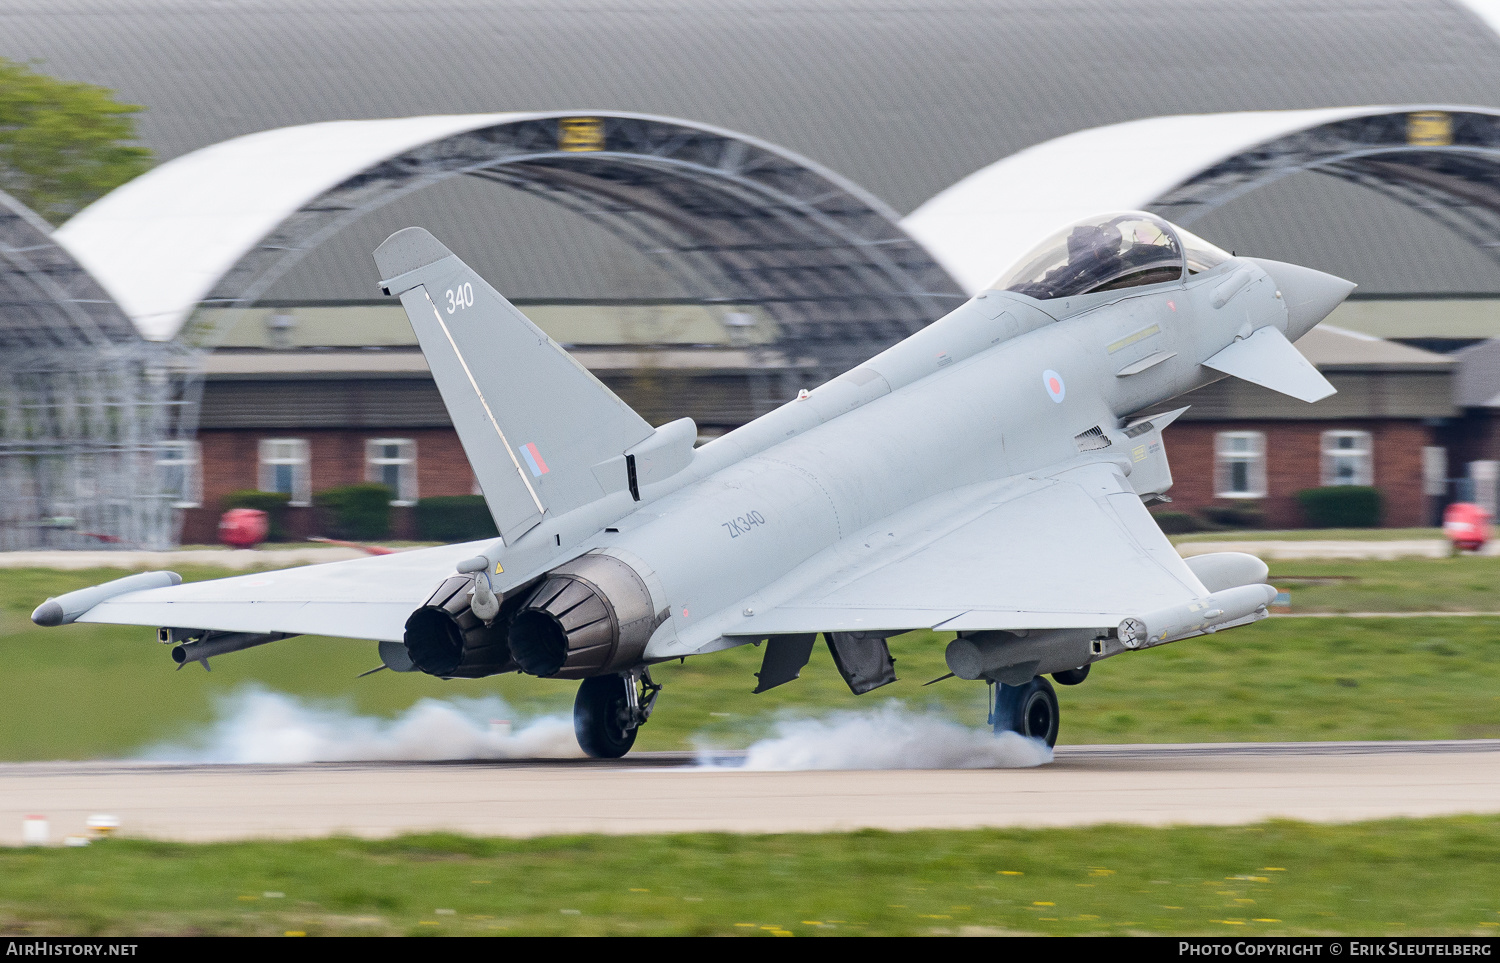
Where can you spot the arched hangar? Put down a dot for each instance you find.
(96, 422)
(1443, 162)
(729, 217)
(735, 221)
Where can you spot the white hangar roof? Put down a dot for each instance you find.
(161, 242)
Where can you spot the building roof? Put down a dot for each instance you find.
(1331, 348)
(903, 100)
(730, 216)
(1118, 167)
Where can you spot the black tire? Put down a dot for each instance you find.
(597, 711)
(1071, 676)
(1029, 709)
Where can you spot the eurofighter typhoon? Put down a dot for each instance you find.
(986, 477)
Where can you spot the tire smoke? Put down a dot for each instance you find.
(889, 737)
(257, 726)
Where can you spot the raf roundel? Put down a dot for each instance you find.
(1053, 382)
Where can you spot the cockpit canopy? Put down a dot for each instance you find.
(1124, 249)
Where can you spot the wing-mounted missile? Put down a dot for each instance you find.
(1015, 657)
(1235, 606)
(198, 645)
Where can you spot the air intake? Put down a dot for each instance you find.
(1091, 440)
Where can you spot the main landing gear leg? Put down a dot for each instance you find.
(1030, 709)
(610, 709)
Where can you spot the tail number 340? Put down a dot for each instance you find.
(460, 297)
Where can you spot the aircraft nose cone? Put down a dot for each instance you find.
(1310, 296)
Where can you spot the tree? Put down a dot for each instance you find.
(63, 144)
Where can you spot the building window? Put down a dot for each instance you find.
(284, 468)
(1240, 464)
(393, 463)
(1347, 458)
(180, 469)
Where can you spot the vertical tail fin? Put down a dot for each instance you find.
(533, 421)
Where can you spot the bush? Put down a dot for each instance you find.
(1235, 516)
(454, 518)
(1176, 523)
(355, 511)
(272, 503)
(1341, 506)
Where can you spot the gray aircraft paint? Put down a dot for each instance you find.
(885, 499)
(497, 371)
(826, 482)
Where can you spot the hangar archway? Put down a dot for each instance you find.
(95, 422)
(1441, 161)
(730, 217)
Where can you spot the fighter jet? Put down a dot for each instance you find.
(988, 476)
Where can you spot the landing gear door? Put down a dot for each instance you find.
(863, 659)
(1150, 474)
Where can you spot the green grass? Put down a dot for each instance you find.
(96, 691)
(1310, 535)
(1406, 877)
(1467, 583)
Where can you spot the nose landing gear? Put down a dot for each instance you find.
(610, 709)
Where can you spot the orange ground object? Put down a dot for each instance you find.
(1466, 525)
(243, 527)
(367, 549)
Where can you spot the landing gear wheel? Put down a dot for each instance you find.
(1029, 709)
(601, 713)
(1071, 676)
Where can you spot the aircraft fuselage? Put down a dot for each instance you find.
(999, 387)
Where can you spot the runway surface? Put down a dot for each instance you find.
(1147, 784)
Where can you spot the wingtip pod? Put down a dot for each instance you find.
(72, 606)
(1219, 571)
(49, 613)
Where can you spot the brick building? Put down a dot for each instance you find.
(302, 399)
(1244, 445)
(295, 403)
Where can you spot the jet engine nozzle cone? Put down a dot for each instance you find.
(447, 639)
(1309, 295)
(590, 616)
